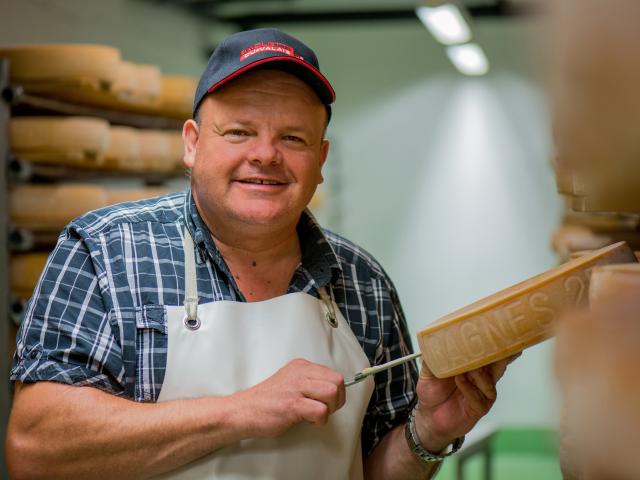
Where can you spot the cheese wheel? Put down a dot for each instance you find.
(125, 84)
(572, 238)
(77, 141)
(119, 195)
(580, 253)
(602, 223)
(123, 152)
(608, 280)
(156, 151)
(176, 150)
(50, 207)
(513, 319)
(93, 66)
(176, 95)
(25, 272)
(596, 364)
(148, 83)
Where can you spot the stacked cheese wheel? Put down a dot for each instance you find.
(581, 232)
(96, 75)
(46, 208)
(77, 141)
(50, 207)
(92, 143)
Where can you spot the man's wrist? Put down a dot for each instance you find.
(428, 439)
(418, 449)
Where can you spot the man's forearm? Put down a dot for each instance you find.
(392, 459)
(61, 431)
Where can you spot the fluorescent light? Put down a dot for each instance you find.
(446, 23)
(468, 59)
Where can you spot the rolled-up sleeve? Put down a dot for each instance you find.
(65, 335)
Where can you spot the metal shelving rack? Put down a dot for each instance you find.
(14, 101)
(5, 391)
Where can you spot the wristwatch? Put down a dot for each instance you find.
(416, 447)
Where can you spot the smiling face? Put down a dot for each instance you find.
(257, 153)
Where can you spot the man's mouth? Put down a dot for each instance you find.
(262, 181)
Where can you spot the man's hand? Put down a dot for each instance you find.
(448, 408)
(299, 391)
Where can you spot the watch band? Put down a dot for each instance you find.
(416, 447)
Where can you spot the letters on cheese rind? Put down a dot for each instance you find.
(515, 318)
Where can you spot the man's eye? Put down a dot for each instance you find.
(236, 133)
(293, 138)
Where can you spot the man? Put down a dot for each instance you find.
(228, 316)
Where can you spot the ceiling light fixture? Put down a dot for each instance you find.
(469, 59)
(446, 23)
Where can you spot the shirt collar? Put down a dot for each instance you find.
(318, 256)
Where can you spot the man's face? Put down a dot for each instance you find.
(256, 156)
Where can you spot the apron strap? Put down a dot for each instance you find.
(190, 279)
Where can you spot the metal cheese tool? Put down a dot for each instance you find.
(360, 376)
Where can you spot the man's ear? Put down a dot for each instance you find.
(190, 134)
(324, 152)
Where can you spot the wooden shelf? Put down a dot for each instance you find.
(22, 170)
(23, 103)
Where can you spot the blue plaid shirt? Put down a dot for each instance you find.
(97, 314)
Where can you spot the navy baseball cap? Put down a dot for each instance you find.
(263, 48)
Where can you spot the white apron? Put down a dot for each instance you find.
(223, 347)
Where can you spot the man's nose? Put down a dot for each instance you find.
(265, 152)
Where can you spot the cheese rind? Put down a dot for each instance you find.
(77, 141)
(515, 318)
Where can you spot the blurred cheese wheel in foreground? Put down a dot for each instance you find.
(176, 95)
(572, 238)
(608, 280)
(119, 195)
(156, 151)
(51, 207)
(318, 200)
(513, 319)
(79, 141)
(124, 149)
(597, 358)
(25, 272)
(41, 65)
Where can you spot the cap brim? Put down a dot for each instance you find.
(291, 65)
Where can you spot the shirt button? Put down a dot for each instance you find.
(34, 354)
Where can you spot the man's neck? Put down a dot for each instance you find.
(267, 249)
(261, 259)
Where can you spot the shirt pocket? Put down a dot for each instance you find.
(142, 334)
